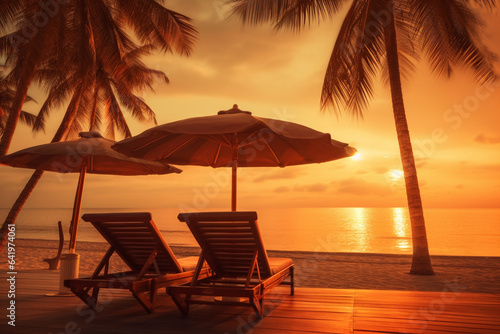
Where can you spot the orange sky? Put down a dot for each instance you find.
(454, 126)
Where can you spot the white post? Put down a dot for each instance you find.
(70, 264)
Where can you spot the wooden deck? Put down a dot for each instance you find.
(308, 311)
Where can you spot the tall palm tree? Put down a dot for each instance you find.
(387, 35)
(92, 62)
(43, 31)
(103, 96)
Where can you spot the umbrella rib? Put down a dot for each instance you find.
(217, 154)
(148, 143)
(227, 141)
(177, 148)
(272, 151)
(265, 141)
(250, 135)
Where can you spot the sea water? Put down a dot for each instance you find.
(463, 232)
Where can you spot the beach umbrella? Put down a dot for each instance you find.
(234, 138)
(89, 154)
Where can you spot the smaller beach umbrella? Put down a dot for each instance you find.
(90, 154)
(234, 138)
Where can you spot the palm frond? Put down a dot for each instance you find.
(136, 105)
(450, 35)
(116, 120)
(304, 12)
(7, 44)
(56, 97)
(291, 14)
(166, 29)
(136, 74)
(83, 108)
(408, 48)
(9, 12)
(27, 118)
(260, 11)
(356, 59)
(488, 4)
(110, 41)
(7, 95)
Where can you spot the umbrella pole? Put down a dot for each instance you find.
(233, 185)
(76, 210)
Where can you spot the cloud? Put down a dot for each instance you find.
(475, 169)
(487, 139)
(316, 187)
(281, 174)
(282, 189)
(361, 187)
(380, 170)
(234, 61)
(421, 162)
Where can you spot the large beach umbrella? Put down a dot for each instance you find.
(90, 154)
(234, 138)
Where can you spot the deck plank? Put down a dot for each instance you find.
(310, 310)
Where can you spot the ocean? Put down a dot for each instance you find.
(461, 232)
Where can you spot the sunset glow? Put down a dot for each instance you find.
(250, 166)
(356, 156)
(396, 174)
(453, 126)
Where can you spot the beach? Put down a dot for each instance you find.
(313, 269)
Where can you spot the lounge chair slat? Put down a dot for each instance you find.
(229, 235)
(126, 225)
(143, 233)
(222, 224)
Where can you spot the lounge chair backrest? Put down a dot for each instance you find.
(229, 241)
(135, 237)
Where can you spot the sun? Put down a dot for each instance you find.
(396, 174)
(356, 156)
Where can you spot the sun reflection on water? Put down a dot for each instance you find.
(359, 225)
(401, 228)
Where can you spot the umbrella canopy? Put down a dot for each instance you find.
(90, 154)
(234, 138)
(218, 140)
(91, 150)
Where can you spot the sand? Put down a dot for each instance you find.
(323, 270)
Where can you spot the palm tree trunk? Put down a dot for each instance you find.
(18, 205)
(421, 263)
(69, 117)
(14, 113)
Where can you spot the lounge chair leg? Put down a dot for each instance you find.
(181, 303)
(144, 301)
(95, 294)
(292, 281)
(85, 297)
(257, 306)
(154, 291)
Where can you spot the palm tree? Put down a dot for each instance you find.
(387, 35)
(44, 32)
(103, 95)
(94, 64)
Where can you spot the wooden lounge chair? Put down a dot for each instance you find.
(232, 246)
(134, 237)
